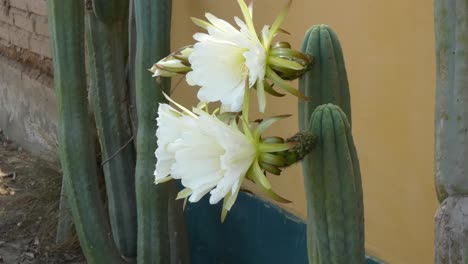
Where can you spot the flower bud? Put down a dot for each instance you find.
(175, 63)
(289, 64)
(304, 143)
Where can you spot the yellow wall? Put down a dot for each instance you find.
(389, 52)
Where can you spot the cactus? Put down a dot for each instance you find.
(326, 80)
(332, 181)
(153, 33)
(111, 12)
(451, 109)
(107, 48)
(131, 66)
(177, 229)
(76, 146)
(154, 239)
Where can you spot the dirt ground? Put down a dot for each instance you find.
(29, 201)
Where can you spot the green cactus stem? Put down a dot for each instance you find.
(111, 12)
(332, 180)
(131, 67)
(325, 81)
(64, 221)
(107, 48)
(76, 145)
(153, 35)
(177, 229)
(451, 106)
(451, 131)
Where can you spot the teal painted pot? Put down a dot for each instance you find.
(255, 232)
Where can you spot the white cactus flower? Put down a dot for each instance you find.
(205, 153)
(225, 59)
(213, 158)
(171, 125)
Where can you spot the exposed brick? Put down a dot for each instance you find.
(41, 26)
(19, 37)
(33, 6)
(24, 27)
(41, 46)
(22, 20)
(38, 7)
(5, 43)
(4, 31)
(20, 4)
(5, 15)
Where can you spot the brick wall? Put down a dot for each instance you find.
(27, 99)
(24, 32)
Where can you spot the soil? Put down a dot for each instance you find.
(29, 201)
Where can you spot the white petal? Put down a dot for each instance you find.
(210, 157)
(171, 125)
(221, 61)
(221, 24)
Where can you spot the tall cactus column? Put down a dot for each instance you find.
(153, 33)
(326, 80)
(451, 131)
(107, 49)
(76, 146)
(332, 179)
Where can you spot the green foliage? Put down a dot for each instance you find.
(332, 179)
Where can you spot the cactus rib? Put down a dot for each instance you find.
(153, 33)
(326, 80)
(334, 193)
(111, 12)
(76, 146)
(107, 54)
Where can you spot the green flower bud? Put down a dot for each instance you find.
(304, 143)
(289, 64)
(175, 63)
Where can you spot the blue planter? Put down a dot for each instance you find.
(255, 232)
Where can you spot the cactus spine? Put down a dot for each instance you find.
(77, 154)
(326, 80)
(332, 179)
(451, 137)
(107, 48)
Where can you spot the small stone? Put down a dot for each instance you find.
(29, 255)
